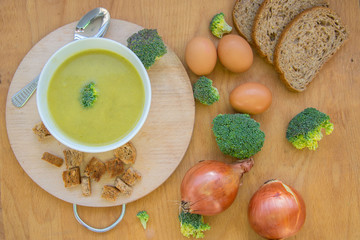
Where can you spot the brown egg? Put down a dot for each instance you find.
(200, 55)
(251, 98)
(235, 53)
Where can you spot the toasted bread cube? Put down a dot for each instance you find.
(123, 187)
(115, 167)
(85, 186)
(95, 169)
(131, 176)
(71, 177)
(110, 193)
(41, 131)
(73, 158)
(126, 153)
(52, 159)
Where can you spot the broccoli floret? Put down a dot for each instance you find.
(238, 135)
(304, 129)
(192, 225)
(144, 218)
(218, 25)
(147, 45)
(205, 92)
(88, 95)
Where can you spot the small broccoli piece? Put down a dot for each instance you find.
(192, 225)
(218, 25)
(147, 45)
(238, 135)
(205, 92)
(88, 95)
(144, 218)
(304, 129)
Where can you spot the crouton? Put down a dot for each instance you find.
(131, 176)
(126, 153)
(52, 159)
(71, 177)
(73, 158)
(41, 131)
(110, 193)
(95, 169)
(123, 188)
(85, 186)
(115, 167)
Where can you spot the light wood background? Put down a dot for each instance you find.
(328, 179)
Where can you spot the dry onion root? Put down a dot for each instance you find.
(210, 186)
(276, 210)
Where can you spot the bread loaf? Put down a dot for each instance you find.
(306, 44)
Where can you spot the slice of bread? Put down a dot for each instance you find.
(243, 16)
(272, 18)
(306, 44)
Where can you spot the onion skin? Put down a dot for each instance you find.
(276, 211)
(210, 187)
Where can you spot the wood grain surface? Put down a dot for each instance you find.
(172, 110)
(328, 178)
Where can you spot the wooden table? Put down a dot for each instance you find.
(328, 178)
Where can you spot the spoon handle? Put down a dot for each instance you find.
(21, 97)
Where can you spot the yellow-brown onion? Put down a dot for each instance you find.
(276, 210)
(210, 187)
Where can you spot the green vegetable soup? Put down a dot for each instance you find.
(119, 102)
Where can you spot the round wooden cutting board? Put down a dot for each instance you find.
(161, 143)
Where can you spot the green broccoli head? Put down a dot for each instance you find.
(204, 92)
(192, 225)
(238, 135)
(304, 129)
(218, 25)
(144, 218)
(88, 95)
(147, 45)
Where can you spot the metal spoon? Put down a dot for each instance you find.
(94, 24)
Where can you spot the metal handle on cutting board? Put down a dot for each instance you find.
(99, 230)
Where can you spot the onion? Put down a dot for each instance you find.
(210, 186)
(276, 211)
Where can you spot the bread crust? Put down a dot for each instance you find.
(281, 39)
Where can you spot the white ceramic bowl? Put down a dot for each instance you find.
(63, 54)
